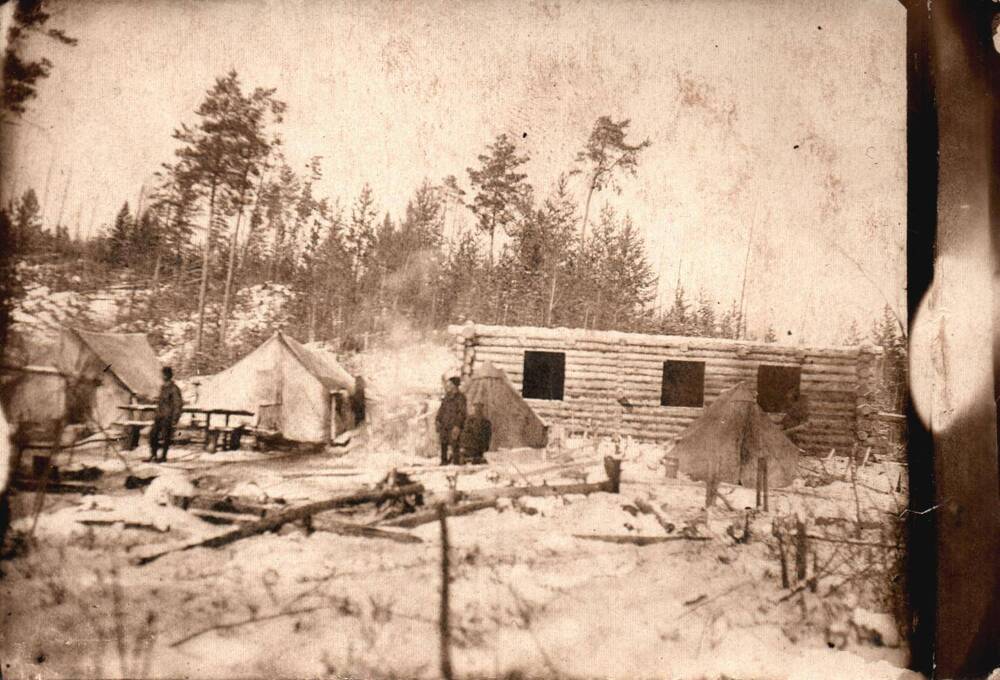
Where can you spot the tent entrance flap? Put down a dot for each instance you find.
(515, 424)
(731, 436)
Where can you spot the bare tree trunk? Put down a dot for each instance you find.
(444, 626)
(312, 318)
(203, 289)
(250, 227)
(741, 328)
(586, 211)
(552, 298)
(231, 265)
(156, 269)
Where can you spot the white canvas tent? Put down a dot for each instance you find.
(33, 394)
(105, 371)
(304, 392)
(7, 450)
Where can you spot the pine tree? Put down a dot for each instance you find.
(120, 239)
(499, 188)
(853, 336)
(605, 154)
(21, 75)
(222, 152)
(677, 320)
(705, 315)
(886, 335)
(461, 282)
(27, 227)
(359, 241)
(10, 285)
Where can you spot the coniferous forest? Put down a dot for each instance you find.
(230, 217)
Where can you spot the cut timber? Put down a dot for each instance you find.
(612, 466)
(216, 517)
(649, 509)
(277, 519)
(426, 517)
(127, 524)
(32, 484)
(639, 540)
(351, 529)
(230, 504)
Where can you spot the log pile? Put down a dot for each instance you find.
(303, 513)
(602, 367)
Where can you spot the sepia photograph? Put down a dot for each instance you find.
(533, 339)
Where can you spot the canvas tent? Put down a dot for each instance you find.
(105, 371)
(731, 435)
(303, 392)
(7, 457)
(33, 394)
(514, 423)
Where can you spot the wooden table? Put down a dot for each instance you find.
(209, 412)
(134, 423)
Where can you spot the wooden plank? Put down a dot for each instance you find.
(578, 338)
(415, 519)
(362, 531)
(514, 357)
(33, 484)
(277, 519)
(639, 540)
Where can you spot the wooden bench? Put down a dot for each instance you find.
(264, 427)
(132, 430)
(230, 436)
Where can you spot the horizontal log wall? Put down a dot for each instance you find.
(602, 367)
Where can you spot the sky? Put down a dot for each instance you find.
(777, 129)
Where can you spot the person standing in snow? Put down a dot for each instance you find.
(358, 401)
(796, 414)
(168, 412)
(476, 436)
(450, 418)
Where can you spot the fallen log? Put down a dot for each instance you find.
(216, 517)
(127, 524)
(543, 490)
(648, 509)
(612, 466)
(277, 519)
(847, 541)
(425, 517)
(49, 486)
(640, 540)
(350, 529)
(232, 504)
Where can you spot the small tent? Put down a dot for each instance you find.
(8, 461)
(105, 371)
(514, 423)
(303, 391)
(729, 438)
(33, 394)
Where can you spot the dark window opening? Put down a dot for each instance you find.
(544, 375)
(777, 387)
(683, 383)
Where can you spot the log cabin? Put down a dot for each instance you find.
(651, 387)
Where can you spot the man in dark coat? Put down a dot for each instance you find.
(168, 412)
(450, 418)
(476, 435)
(358, 400)
(796, 414)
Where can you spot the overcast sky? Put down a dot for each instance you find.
(780, 120)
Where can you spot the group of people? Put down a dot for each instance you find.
(465, 438)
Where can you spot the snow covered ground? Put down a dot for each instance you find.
(529, 595)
